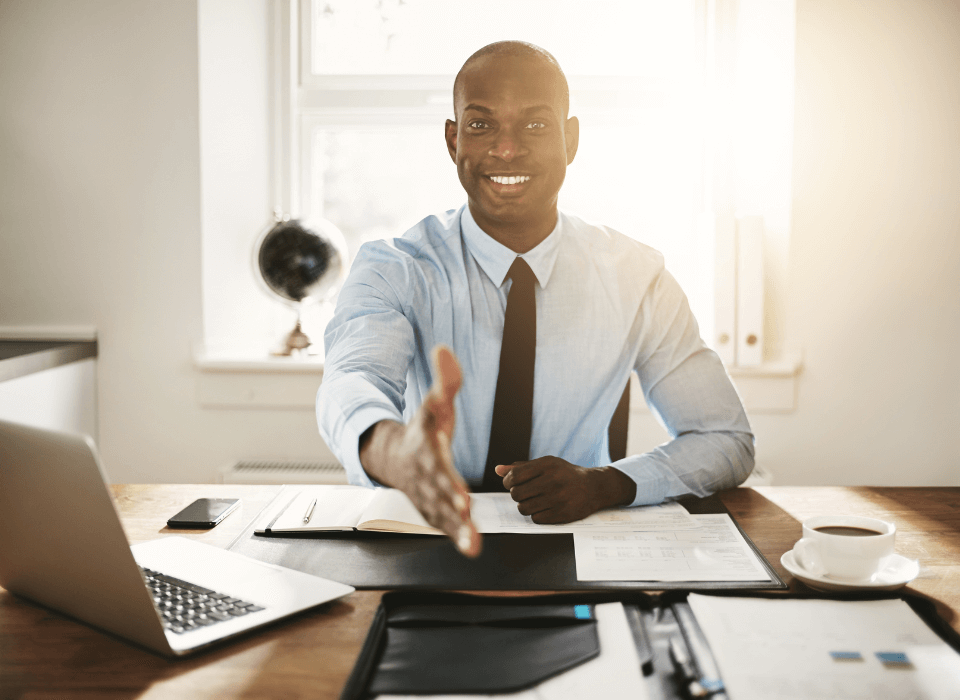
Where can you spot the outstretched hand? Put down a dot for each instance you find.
(416, 458)
(552, 491)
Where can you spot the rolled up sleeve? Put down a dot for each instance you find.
(688, 390)
(369, 345)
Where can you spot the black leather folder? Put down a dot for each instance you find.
(455, 643)
(424, 643)
(507, 562)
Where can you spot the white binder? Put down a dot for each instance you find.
(749, 352)
(724, 339)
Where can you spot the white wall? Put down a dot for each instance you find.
(873, 279)
(100, 224)
(873, 295)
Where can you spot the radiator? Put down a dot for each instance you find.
(267, 472)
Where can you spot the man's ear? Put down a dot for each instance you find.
(450, 134)
(571, 136)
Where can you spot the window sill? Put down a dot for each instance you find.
(770, 387)
(258, 381)
(767, 388)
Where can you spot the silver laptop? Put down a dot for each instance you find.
(62, 545)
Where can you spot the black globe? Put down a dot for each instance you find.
(298, 263)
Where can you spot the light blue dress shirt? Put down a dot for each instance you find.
(606, 306)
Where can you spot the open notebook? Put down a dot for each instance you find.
(345, 508)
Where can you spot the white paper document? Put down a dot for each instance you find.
(792, 649)
(497, 512)
(716, 551)
(614, 675)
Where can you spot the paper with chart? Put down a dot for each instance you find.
(716, 551)
(497, 512)
(779, 649)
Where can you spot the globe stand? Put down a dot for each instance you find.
(301, 263)
(296, 342)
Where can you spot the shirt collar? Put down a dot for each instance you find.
(495, 258)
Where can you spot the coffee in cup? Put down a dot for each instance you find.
(847, 548)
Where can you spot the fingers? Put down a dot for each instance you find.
(547, 509)
(448, 376)
(438, 410)
(532, 506)
(450, 480)
(444, 506)
(528, 490)
(450, 500)
(518, 472)
(443, 496)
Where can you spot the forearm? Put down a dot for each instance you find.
(378, 449)
(348, 404)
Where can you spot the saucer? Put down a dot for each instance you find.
(896, 572)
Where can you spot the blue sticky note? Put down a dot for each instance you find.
(846, 656)
(582, 612)
(893, 658)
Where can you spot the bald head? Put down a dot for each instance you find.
(510, 50)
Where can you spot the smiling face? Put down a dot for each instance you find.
(512, 143)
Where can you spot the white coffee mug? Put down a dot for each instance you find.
(848, 548)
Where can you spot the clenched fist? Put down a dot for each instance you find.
(553, 491)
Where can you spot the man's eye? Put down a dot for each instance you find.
(477, 124)
(536, 125)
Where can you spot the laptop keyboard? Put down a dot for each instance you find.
(184, 606)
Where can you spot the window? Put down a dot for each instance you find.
(375, 89)
(686, 127)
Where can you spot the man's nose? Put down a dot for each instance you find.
(508, 146)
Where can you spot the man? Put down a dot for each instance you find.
(548, 316)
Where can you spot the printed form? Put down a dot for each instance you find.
(497, 512)
(715, 551)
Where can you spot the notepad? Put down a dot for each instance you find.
(346, 508)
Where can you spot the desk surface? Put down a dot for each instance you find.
(43, 654)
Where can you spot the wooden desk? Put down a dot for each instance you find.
(44, 655)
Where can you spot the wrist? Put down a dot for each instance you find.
(612, 487)
(378, 448)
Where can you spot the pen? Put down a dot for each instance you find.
(313, 503)
(707, 674)
(641, 639)
(686, 670)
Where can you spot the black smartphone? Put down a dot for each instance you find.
(204, 513)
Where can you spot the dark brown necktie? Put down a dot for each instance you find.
(513, 402)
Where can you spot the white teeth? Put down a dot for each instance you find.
(501, 180)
